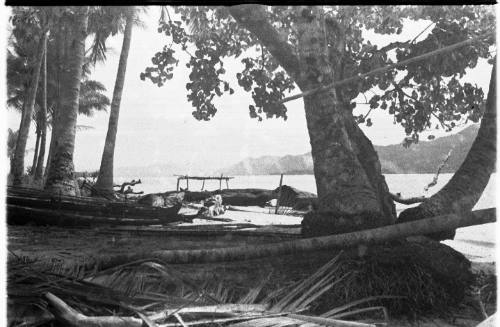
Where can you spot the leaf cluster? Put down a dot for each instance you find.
(417, 95)
(23, 42)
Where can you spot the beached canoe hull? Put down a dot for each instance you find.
(32, 206)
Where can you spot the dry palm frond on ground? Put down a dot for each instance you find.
(133, 294)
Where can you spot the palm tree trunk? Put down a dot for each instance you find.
(466, 186)
(105, 178)
(330, 242)
(61, 44)
(37, 145)
(60, 179)
(43, 119)
(17, 168)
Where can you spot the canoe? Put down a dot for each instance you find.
(25, 206)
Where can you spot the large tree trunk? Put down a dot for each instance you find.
(17, 168)
(60, 177)
(61, 44)
(352, 193)
(466, 186)
(43, 119)
(105, 178)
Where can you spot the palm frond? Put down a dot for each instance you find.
(92, 86)
(92, 98)
(16, 101)
(140, 288)
(337, 311)
(97, 50)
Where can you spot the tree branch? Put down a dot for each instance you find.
(397, 198)
(387, 68)
(435, 179)
(394, 45)
(254, 19)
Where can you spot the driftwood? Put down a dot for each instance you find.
(347, 240)
(124, 185)
(397, 198)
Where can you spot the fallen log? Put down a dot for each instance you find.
(370, 236)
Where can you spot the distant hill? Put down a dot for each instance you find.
(423, 157)
(155, 170)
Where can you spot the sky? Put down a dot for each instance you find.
(156, 125)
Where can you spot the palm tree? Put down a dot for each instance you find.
(60, 171)
(26, 17)
(11, 143)
(38, 165)
(92, 93)
(102, 22)
(105, 178)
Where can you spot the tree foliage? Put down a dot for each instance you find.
(107, 21)
(416, 95)
(11, 142)
(22, 47)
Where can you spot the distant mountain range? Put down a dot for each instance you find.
(423, 157)
(154, 170)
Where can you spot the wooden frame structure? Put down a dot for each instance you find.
(203, 178)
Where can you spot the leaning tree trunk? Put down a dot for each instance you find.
(60, 177)
(330, 242)
(352, 193)
(17, 168)
(37, 146)
(466, 186)
(43, 119)
(105, 178)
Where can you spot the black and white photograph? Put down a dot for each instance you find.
(249, 164)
